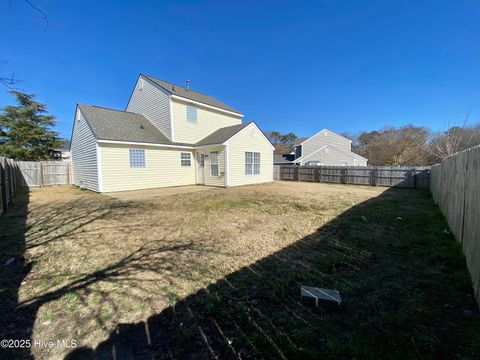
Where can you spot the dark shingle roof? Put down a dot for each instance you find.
(283, 158)
(190, 94)
(298, 141)
(221, 135)
(109, 124)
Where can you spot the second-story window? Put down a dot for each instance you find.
(191, 114)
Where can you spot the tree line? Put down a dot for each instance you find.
(397, 146)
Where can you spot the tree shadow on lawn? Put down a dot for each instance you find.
(406, 289)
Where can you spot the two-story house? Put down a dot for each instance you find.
(326, 148)
(168, 135)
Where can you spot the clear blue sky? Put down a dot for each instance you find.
(289, 65)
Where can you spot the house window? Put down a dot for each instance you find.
(191, 114)
(214, 163)
(137, 157)
(343, 163)
(252, 163)
(185, 159)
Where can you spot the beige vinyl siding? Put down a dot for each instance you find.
(162, 168)
(84, 154)
(249, 139)
(153, 103)
(333, 157)
(214, 180)
(208, 121)
(318, 140)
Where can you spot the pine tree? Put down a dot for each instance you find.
(26, 130)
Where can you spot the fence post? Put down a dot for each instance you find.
(41, 182)
(346, 175)
(3, 185)
(414, 174)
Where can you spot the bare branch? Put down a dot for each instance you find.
(40, 11)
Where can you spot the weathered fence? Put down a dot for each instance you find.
(10, 182)
(415, 177)
(455, 186)
(15, 175)
(45, 173)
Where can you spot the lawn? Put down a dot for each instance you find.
(216, 274)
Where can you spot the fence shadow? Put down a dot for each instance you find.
(13, 269)
(403, 280)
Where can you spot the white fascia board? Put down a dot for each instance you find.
(99, 168)
(207, 146)
(145, 144)
(180, 98)
(245, 128)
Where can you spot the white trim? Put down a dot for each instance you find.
(210, 163)
(99, 168)
(246, 127)
(225, 164)
(253, 163)
(181, 98)
(300, 159)
(144, 144)
(172, 132)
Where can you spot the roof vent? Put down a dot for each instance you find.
(141, 126)
(187, 85)
(173, 87)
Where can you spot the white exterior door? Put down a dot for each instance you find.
(200, 168)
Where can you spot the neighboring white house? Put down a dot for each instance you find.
(326, 148)
(169, 135)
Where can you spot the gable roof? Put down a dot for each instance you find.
(299, 140)
(190, 94)
(221, 135)
(348, 153)
(333, 132)
(283, 158)
(110, 124)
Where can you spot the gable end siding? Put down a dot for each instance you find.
(153, 103)
(84, 154)
(208, 121)
(249, 139)
(318, 140)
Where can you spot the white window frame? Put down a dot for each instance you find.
(344, 163)
(185, 159)
(214, 155)
(192, 114)
(136, 158)
(255, 161)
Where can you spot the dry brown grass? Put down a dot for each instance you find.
(87, 263)
(100, 261)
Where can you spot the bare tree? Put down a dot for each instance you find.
(10, 81)
(453, 140)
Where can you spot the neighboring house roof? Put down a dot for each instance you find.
(221, 135)
(283, 158)
(300, 140)
(117, 125)
(190, 94)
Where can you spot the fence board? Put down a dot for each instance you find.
(455, 187)
(359, 175)
(15, 175)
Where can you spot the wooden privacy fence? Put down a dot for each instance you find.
(15, 175)
(416, 177)
(455, 186)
